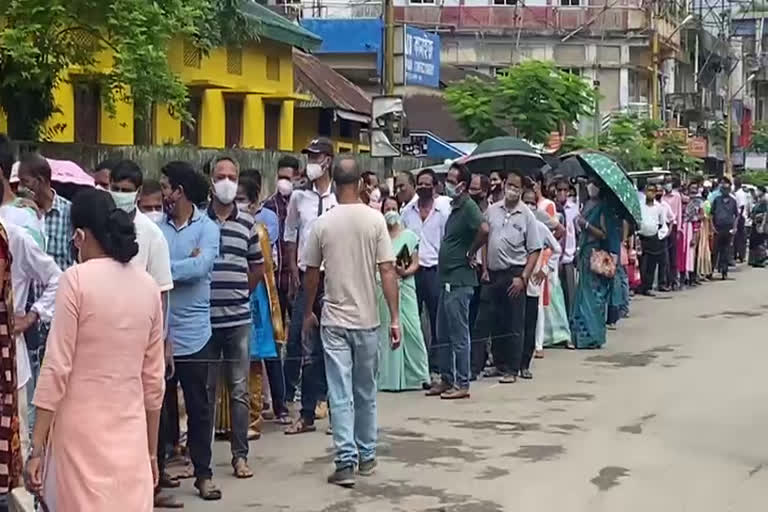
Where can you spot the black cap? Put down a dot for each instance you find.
(319, 145)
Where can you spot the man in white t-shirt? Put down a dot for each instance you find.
(353, 243)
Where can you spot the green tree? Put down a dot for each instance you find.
(759, 141)
(41, 39)
(531, 99)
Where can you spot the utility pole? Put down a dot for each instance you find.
(654, 64)
(389, 71)
(598, 117)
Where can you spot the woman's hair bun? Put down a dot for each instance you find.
(121, 233)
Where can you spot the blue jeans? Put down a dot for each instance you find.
(351, 363)
(232, 344)
(453, 335)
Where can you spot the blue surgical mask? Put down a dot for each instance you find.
(450, 189)
(126, 201)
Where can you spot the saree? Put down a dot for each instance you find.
(704, 249)
(406, 367)
(594, 291)
(11, 463)
(556, 330)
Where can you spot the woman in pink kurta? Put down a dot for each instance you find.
(101, 385)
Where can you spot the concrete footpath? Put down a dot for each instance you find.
(670, 415)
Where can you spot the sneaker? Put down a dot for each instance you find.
(368, 467)
(343, 477)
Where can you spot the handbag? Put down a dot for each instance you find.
(602, 263)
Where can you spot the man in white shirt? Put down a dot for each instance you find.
(307, 204)
(668, 267)
(426, 216)
(652, 231)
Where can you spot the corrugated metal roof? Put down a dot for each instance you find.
(326, 86)
(273, 26)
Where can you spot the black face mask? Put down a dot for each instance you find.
(425, 192)
(478, 198)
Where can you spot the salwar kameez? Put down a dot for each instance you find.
(556, 330)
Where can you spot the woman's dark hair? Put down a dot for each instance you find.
(389, 198)
(250, 180)
(113, 228)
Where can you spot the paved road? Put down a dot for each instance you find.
(670, 416)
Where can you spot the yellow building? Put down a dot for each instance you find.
(239, 96)
(336, 108)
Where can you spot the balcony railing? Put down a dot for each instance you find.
(622, 17)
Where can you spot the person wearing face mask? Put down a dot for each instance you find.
(150, 201)
(304, 353)
(406, 367)
(237, 269)
(466, 231)
(653, 231)
(35, 183)
(674, 202)
(101, 174)
(104, 362)
(725, 217)
(600, 229)
(405, 189)
(426, 216)
(479, 188)
(193, 241)
(496, 180)
(514, 244)
(664, 283)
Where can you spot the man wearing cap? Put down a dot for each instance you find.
(306, 205)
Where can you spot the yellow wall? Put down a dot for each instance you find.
(213, 78)
(3, 122)
(305, 124)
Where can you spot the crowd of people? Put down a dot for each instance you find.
(336, 286)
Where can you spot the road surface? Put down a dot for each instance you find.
(670, 416)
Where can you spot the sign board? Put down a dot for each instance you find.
(422, 57)
(697, 147)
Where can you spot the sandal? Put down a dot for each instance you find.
(166, 481)
(300, 427)
(241, 469)
(167, 501)
(283, 419)
(207, 489)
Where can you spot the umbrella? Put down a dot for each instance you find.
(613, 176)
(62, 171)
(570, 167)
(508, 154)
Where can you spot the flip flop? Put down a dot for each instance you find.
(299, 427)
(167, 501)
(241, 469)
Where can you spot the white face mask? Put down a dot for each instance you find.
(225, 190)
(375, 196)
(314, 171)
(155, 216)
(126, 201)
(284, 187)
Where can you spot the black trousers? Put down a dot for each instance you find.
(168, 433)
(671, 260)
(529, 341)
(568, 282)
(192, 374)
(428, 295)
(478, 349)
(502, 319)
(740, 240)
(652, 259)
(721, 255)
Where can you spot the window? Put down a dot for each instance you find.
(87, 112)
(571, 71)
(271, 125)
(233, 121)
(190, 132)
(570, 3)
(499, 72)
(234, 60)
(273, 68)
(192, 55)
(428, 2)
(504, 2)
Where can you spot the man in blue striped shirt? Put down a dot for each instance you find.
(193, 244)
(236, 271)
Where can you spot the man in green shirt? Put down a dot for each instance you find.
(465, 232)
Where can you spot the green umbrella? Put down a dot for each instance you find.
(617, 181)
(508, 154)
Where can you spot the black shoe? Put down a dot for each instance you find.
(648, 293)
(526, 374)
(343, 477)
(367, 468)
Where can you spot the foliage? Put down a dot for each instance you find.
(531, 100)
(717, 134)
(759, 141)
(41, 40)
(755, 177)
(633, 142)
